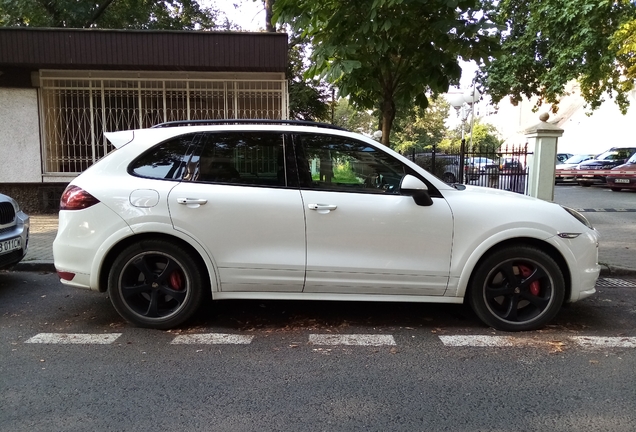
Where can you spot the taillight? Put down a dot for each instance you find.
(76, 198)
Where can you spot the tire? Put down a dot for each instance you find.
(585, 184)
(517, 288)
(615, 189)
(449, 178)
(155, 284)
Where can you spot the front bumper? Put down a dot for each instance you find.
(19, 230)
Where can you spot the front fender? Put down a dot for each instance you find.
(464, 262)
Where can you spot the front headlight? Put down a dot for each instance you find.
(578, 216)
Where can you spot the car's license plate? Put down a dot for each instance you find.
(7, 246)
(619, 180)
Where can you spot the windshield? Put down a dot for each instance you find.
(577, 159)
(616, 154)
(632, 159)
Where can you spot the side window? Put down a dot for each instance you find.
(344, 164)
(248, 158)
(168, 160)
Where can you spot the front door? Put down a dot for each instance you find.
(363, 236)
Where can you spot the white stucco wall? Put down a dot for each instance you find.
(19, 136)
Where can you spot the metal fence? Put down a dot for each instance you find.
(78, 110)
(505, 168)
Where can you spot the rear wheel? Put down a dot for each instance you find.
(517, 289)
(155, 284)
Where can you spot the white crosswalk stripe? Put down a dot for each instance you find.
(478, 341)
(605, 342)
(212, 339)
(73, 338)
(351, 339)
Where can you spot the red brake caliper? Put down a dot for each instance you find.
(176, 280)
(535, 287)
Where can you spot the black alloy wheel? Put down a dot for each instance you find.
(155, 284)
(517, 289)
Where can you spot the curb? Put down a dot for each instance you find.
(607, 270)
(35, 266)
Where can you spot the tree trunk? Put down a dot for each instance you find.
(388, 115)
(269, 4)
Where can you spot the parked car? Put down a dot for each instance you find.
(446, 166)
(562, 157)
(14, 232)
(511, 165)
(450, 167)
(605, 161)
(618, 182)
(300, 210)
(477, 166)
(570, 164)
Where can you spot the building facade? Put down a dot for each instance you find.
(61, 89)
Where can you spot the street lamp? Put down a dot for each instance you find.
(464, 104)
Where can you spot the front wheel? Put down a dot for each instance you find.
(517, 289)
(615, 189)
(155, 284)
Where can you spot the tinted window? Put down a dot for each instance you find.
(168, 160)
(250, 158)
(343, 164)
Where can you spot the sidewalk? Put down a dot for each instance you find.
(617, 246)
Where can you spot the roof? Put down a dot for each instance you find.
(27, 48)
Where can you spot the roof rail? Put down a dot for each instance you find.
(247, 121)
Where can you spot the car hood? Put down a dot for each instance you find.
(625, 167)
(566, 166)
(594, 162)
(492, 210)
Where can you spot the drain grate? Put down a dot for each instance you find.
(616, 283)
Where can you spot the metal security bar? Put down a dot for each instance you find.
(78, 110)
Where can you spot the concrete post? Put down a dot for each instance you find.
(544, 136)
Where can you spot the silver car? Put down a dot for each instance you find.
(14, 232)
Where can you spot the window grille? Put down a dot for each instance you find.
(77, 110)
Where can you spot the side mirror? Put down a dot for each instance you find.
(412, 186)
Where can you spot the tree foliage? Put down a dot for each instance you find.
(389, 53)
(547, 43)
(348, 117)
(307, 96)
(624, 42)
(419, 129)
(112, 14)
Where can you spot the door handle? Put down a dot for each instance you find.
(189, 201)
(322, 208)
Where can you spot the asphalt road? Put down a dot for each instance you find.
(275, 369)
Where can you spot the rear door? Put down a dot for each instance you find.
(239, 203)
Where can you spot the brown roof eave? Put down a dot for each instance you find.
(142, 50)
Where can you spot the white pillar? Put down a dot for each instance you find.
(544, 136)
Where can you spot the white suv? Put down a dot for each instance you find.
(297, 210)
